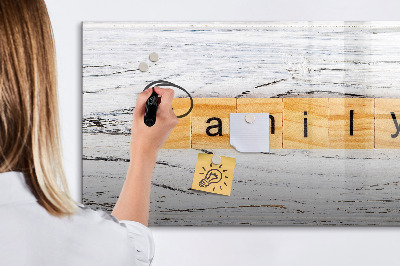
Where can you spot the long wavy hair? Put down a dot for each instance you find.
(29, 119)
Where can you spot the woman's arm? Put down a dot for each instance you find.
(134, 200)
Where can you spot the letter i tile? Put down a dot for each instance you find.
(305, 123)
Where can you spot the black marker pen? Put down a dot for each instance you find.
(151, 109)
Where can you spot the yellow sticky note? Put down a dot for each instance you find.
(214, 178)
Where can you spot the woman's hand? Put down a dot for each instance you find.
(146, 139)
(134, 200)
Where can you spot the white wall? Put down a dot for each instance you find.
(227, 245)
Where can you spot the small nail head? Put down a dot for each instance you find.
(153, 57)
(216, 159)
(143, 67)
(250, 118)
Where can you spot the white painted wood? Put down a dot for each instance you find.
(286, 187)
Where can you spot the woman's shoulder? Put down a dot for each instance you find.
(138, 236)
(86, 213)
(99, 230)
(100, 216)
(98, 222)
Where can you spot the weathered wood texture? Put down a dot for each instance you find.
(244, 60)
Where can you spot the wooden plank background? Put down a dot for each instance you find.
(243, 60)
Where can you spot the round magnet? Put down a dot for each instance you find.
(216, 159)
(143, 67)
(250, 118)
(153, 57)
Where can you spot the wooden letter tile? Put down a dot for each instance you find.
(387, 123)
(210, 122)
(305, 123)
(273, 106)
(179, 138)
(351, 123)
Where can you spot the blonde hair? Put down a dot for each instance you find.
(29, 123)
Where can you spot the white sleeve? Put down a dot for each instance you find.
(139, 236)
(143, 241)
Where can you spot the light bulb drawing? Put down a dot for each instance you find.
(213, 176)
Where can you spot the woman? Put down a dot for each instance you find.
(40, 224)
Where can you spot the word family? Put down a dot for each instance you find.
(295, 123)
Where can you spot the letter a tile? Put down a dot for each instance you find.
(210, 122)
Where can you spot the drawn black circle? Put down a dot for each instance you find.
(170, 84)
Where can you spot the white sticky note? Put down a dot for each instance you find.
(249, 135)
